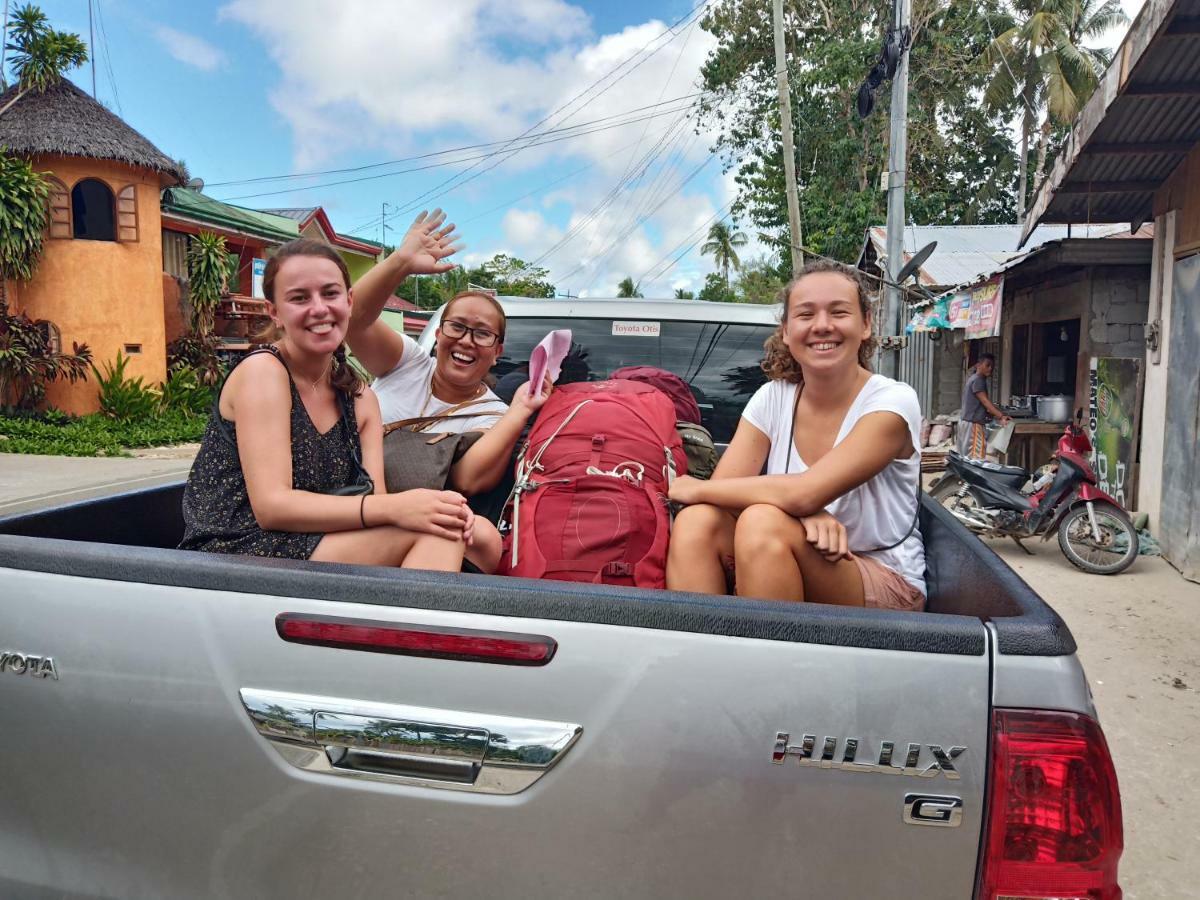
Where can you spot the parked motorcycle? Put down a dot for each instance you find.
(1093, 531)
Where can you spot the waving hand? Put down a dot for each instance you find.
(427, 244)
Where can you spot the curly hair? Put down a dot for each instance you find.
(778, 363)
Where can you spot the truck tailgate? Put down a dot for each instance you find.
(139, 772)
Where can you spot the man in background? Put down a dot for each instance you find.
(977, 408)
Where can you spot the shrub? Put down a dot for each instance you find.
(183, 391)
(125, 399)
(197, 352)
(28, 362)
(94, 435)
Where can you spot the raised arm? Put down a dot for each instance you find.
(423, 250)
(876, 440)
(482, 467)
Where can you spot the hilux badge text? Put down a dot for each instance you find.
(27, 664)
(806, 754)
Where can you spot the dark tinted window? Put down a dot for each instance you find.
(720, 362)
(92, 211)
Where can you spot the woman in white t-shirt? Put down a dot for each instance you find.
(834, 519)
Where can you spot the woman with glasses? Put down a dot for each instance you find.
(411, 384)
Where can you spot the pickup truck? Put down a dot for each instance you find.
(184, 725)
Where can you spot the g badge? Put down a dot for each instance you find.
(933, 809)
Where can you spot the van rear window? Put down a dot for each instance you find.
(720, 361)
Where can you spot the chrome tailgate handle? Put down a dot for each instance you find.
(462, 751)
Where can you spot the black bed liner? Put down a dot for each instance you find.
(968, 584)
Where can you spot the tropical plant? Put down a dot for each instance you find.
(28, 362)
(40, 55)
(22, 221)
(715, 289)
(122, 398)
(721, 245)
(1042, 65)
(681, 294)
(627, 288)
(759, 281)
(208, 270)
(182, 391)
(197, 354)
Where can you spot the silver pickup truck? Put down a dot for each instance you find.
(187, 725)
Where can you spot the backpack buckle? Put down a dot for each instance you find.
(618, 569)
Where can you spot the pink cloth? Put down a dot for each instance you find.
(547, 357)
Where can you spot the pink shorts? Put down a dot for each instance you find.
(884, 588)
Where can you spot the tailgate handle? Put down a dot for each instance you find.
(412, 745)
(401, 747)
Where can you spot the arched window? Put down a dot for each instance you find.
(92, 212)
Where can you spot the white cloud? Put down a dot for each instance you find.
(489, 71)
(187, 48)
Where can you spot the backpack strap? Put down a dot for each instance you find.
(424, 423)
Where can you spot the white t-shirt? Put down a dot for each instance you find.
(404, 393)
(878, 512)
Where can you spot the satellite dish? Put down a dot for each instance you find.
(918, 260)
(196, 184)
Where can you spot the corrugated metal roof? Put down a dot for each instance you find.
(299, 214)
(199, 207)
(1136, 129)
(966, 252)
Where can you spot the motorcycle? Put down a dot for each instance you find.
(1094, 532)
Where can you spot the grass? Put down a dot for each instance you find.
(95, 435)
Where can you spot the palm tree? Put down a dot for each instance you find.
(626, 288)
(1041, 62)
(41, 55)
(722, 241)
(681, 294)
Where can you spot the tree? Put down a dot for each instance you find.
(716, 289)
(512, 277)
(626, 288)
(41, 55)
(721, 244)
(759, 281)
(22, 222)
(681, 294)
(961, 154)
(1041, 65)
(208, 271)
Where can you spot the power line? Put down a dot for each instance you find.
(576, 133)
(432, 194)
(112, 80)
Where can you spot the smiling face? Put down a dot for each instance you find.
(311, 303)
(824, 325)
(460, 361)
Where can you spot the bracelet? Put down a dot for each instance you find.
(362, 505)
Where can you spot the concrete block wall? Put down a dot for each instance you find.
(1120, 299)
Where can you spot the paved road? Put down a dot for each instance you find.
(29, 482)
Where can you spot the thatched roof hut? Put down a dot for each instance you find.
(64, 121)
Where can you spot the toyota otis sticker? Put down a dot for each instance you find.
(28, 664)
(806, 753)
(636, 329)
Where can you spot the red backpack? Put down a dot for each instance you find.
(686, 407)
(590, 502)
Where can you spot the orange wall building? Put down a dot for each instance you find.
(100, 276)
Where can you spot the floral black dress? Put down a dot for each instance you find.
(216, 507)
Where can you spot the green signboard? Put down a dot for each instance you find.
(1113, 407)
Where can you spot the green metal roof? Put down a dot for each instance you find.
(195, 205)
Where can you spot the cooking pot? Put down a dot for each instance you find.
(1054, 408)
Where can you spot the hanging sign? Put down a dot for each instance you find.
(932, 317)
(258, 270)
(983, 319)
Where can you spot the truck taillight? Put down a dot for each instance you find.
(1054, 829)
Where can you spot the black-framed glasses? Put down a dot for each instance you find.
(481, 336)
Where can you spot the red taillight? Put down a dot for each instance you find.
(466, 644)
(1054, 830)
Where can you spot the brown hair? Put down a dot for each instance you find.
(489, 298)
(778, 363)
(344, 376)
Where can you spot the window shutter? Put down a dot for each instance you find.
(60, 209)
(127, 217)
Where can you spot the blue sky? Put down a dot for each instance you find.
(243, 89)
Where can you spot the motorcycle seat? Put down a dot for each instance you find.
(988, 466)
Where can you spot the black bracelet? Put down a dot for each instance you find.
(362, 505)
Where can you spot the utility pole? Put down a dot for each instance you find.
(897, 181)
(92, 48)
(789, 149)
(4, 48)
